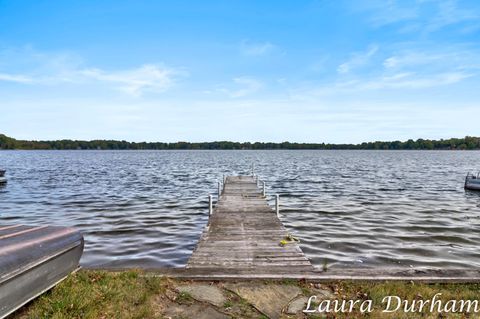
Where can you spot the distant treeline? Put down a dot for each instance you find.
(467, 143)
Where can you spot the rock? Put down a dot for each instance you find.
(268, 299)
(207, 293)
(196, 311)
(297, 305)
(322, 293)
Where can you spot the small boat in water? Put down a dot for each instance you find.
(472, 181)
(33, 260)
(3, 179)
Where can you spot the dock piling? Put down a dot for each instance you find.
(264, 193)
(219, 189)
(277, 204)
(210, 205)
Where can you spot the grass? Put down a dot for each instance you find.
(184, 298)
(130, 294)
(406, 291)
(99, 294)
(325, 265)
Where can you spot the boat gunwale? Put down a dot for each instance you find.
(24, 268)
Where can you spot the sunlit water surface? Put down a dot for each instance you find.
(349, 208)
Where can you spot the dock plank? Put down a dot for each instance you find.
(243, 235)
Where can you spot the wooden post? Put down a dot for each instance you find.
(210, 205)
(264, 194)
(277, 204)
(219, 189)
(253, 169)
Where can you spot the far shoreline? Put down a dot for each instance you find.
(465, 143)
(240, 150)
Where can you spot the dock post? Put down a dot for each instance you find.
(219, 189)
(253, 169)
(263, 188)
(210, 205)
(277, 204)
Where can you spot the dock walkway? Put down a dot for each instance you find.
(243, 236)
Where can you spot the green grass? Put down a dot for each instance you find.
(130, 294)
(184, 298)
(98, 294)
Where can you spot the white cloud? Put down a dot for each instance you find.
(389, 12)
(18, 78)
(448, 13)
(248, 85)
(398, 81)
(357, 59)
(242, 86)
(440, 60)
(416, 58)
(256, 49)
(148, 77)
(405, 69)
(422, 16)
(55, 69)
(414, 81)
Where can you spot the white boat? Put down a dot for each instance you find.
(472, 181)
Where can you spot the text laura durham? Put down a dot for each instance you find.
(393, 304)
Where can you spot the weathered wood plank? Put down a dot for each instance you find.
(244, 234)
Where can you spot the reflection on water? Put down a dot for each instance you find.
(351, 208)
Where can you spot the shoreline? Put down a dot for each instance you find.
(424, 275)
(138, 294)
(463, 143)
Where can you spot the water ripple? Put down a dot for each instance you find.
(350, 208)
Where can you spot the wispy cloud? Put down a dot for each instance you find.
(398, 81)
(256, 48)
(383, 13)
(357, 59)
(412, 81)
(148, 77)
(242, 86)
(446, 59)
(400, 69)
(58, 69)
(18, 78)
(449, 13)
(422, 16)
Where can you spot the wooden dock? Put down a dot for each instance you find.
(243, 238)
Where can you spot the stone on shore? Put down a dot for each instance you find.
(206, 293)
(197, 311)
(268, 299)
(297, 305)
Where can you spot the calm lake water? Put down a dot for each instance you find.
(351, 208)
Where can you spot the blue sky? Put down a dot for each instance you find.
(305, 71)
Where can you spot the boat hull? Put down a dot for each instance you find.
(3, 180)
(33, 261)
(472, 184)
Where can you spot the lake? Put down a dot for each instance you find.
(349, 208)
